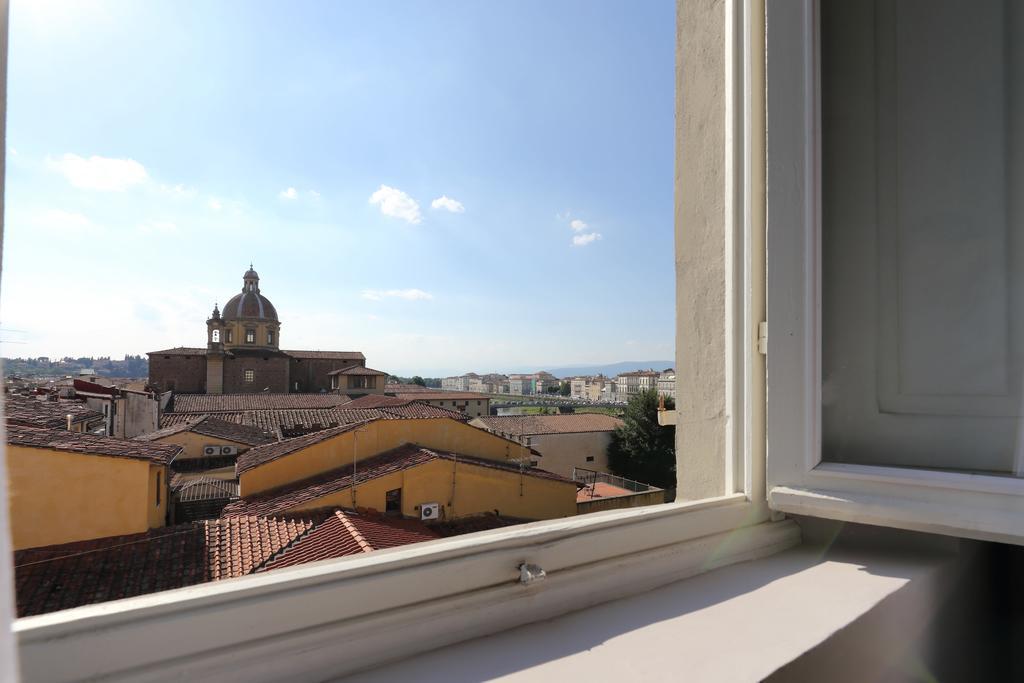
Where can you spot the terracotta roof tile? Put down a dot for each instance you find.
(215, 427)
(347, 533)
(88, 444)
(179, 351)
(358, 370)
(519, 425)
(70, 575)
(32, 412)
(281, 500)
(327, 355)
(64, 576)
(213, 403)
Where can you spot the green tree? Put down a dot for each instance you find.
(641, 449)
(565, 389)
(416, 379)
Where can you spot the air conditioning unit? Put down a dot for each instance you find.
(229, 450)
(211, 451)
(430, 511)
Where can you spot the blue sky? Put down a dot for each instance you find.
(155, 148)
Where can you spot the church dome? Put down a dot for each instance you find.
(250, 304)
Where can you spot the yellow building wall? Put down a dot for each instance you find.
(477, 490)
(442, 434)
(193, 443)
(60, 497)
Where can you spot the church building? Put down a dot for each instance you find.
(243, 355)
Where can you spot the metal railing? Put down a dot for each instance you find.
(591, 477)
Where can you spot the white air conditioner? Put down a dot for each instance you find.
(429, 511)
(229, 450)
(211, 451)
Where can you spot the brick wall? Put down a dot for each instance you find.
(183, 374)
(270, 372)
(311, 374)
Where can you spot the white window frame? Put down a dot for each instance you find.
(338, 616)
(967, 505)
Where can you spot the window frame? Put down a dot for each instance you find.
(341, 616)
(968, 505)
(248, 376)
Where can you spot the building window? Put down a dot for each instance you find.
(334, 383)
(228, 337)
(590, 458)
(215, 337)
(393, 502)
(270, 337)
(250, 376)
(250, 336)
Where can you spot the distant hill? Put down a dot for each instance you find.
(610, 369)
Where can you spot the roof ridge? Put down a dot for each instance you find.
(297, 520)
(351, 528)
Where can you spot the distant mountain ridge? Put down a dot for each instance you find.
(608, 369)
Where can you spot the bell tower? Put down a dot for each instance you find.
(215, 353)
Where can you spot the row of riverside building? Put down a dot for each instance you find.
(216, 484)
(594, 388)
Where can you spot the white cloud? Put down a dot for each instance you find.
(397, 204)
(407, 294)
(100, 173)
(290, 193)
(585, 239)
(448, 204)
(62, 221)
(215, 204)
(153, 227)
(179, 191)
(314, 194)
(578, 225)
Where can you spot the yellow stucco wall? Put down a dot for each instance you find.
(193, 443)
(59, 497)
(561, 452)
(441, 434)
(476, 490)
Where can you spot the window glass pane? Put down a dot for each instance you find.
(923, 233)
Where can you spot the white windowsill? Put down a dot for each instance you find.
(740, 623)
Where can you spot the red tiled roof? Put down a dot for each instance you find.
(376, 401)
(347, 533)
(213, 403)
(63, 576)
(327, 355)
(273, 421)
(214, 427)
(520, 425)
(358, 370)
(32, 412)
(70, 575)
(89, 444)
(179, 351)
(285, 498)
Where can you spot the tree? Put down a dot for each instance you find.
(565, 389)
(416, 379)
(641, 449)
